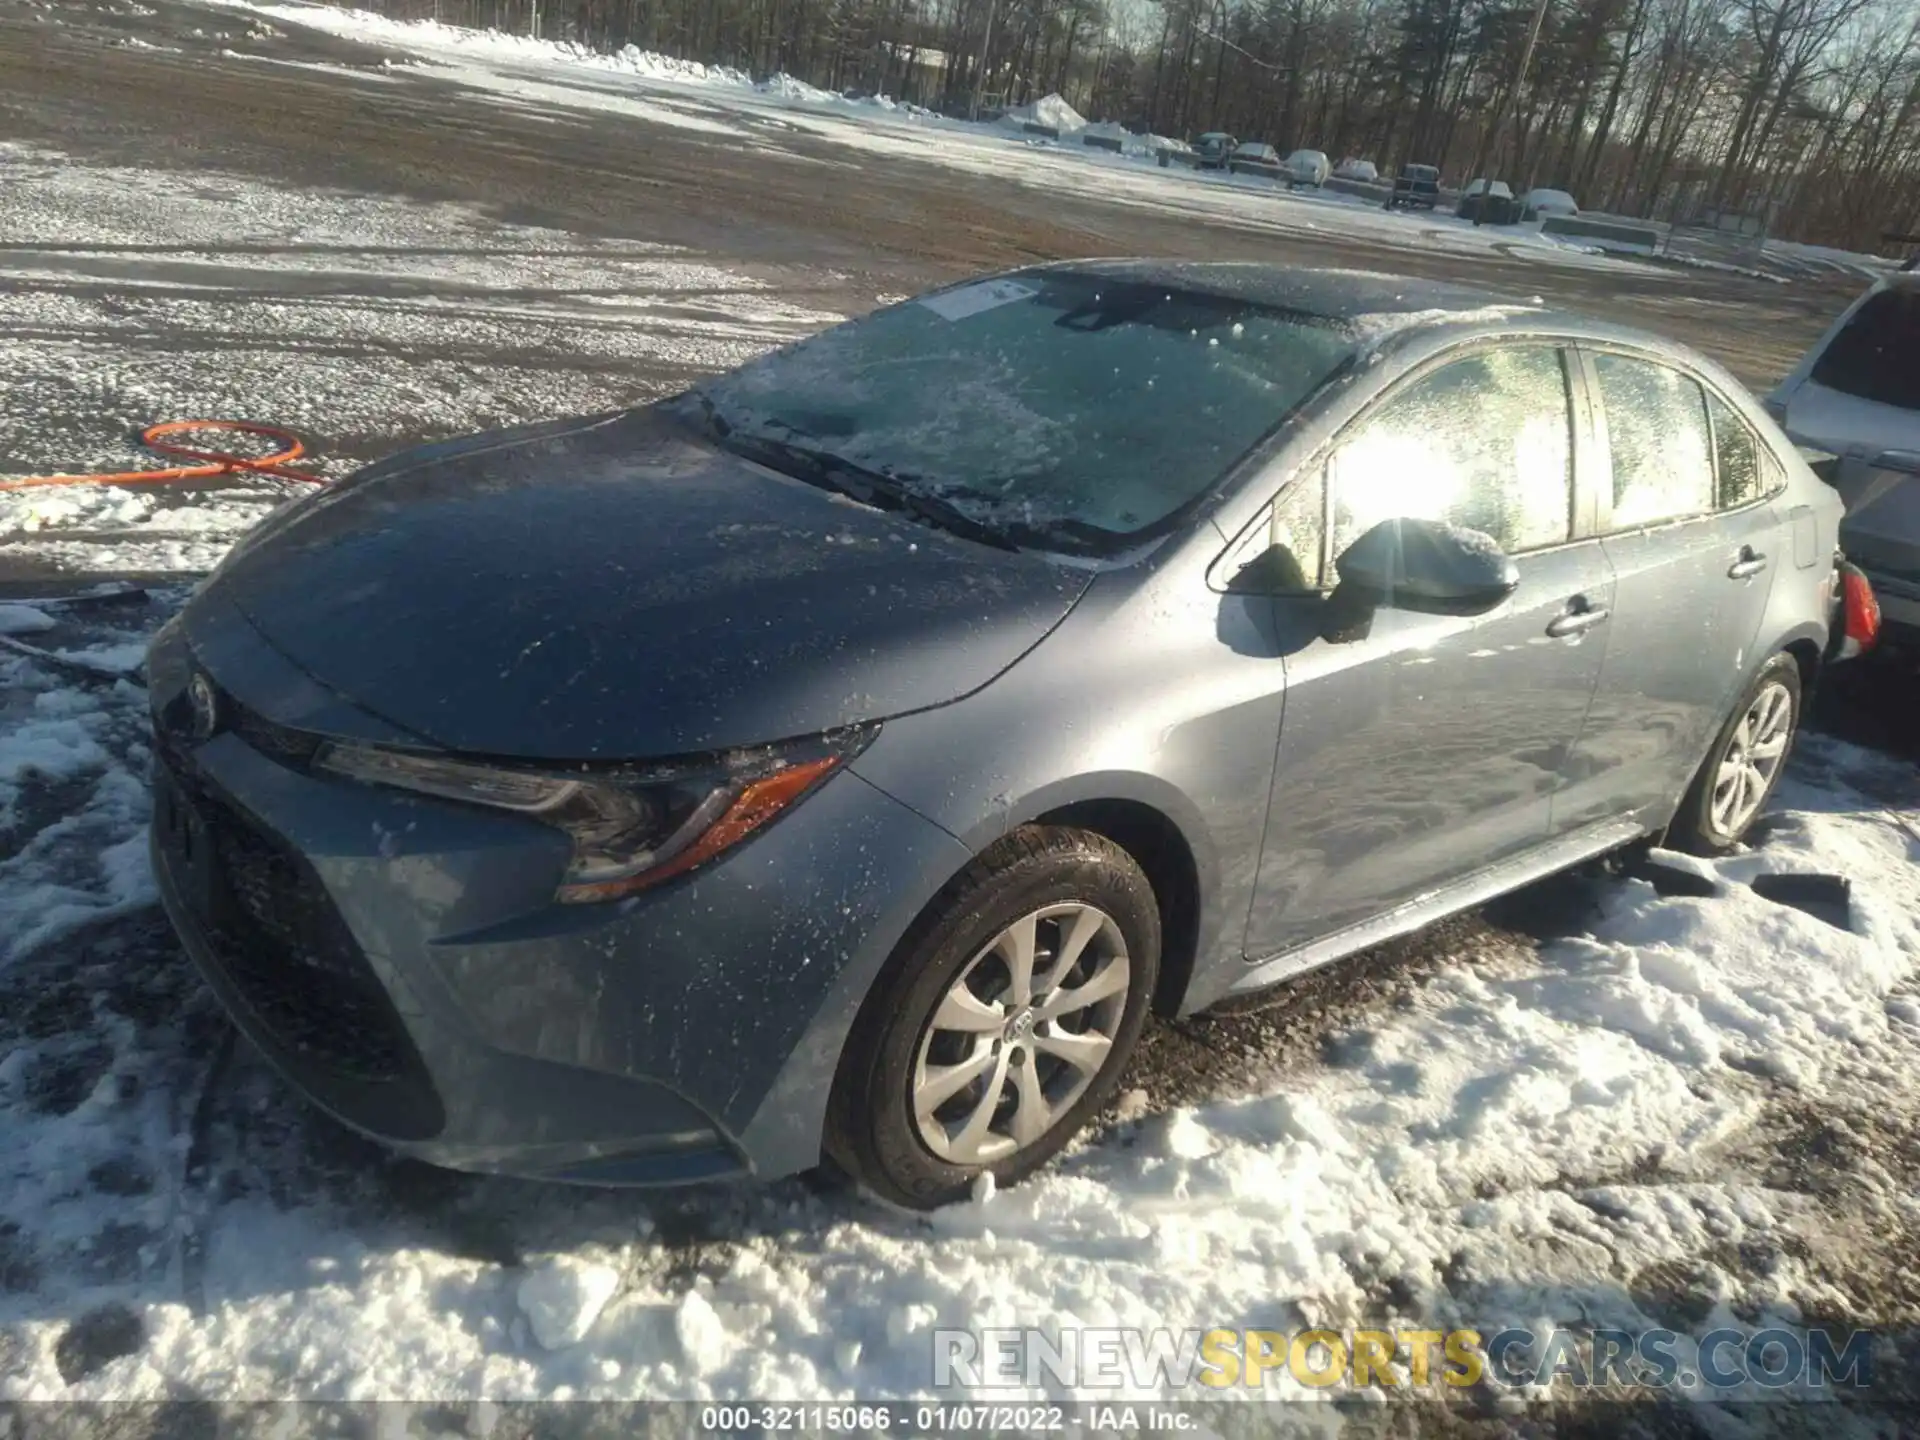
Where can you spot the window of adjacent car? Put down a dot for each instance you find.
(1876, 355)
(1484, 442)
(1659, 443)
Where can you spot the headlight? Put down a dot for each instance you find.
(629, 830)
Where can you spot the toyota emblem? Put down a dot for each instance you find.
(205, 705)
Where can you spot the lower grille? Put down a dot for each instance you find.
(279, 942)
(287, 950)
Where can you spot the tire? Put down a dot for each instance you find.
(1711, 818)
(1055, 879)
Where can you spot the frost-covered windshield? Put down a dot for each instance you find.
(1062, 402)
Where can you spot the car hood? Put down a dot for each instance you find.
(1846, 424)
(621, 588)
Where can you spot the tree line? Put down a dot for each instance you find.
(1804, 114)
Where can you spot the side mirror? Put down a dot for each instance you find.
(1424, 566)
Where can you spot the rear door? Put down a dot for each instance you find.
(1685, 506)
(1432, 747)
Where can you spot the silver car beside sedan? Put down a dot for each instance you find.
(1856, 397)
(841, 759)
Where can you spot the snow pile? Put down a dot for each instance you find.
(23, 620)
(1048, 110)
(562, 1297)
(73, 790)
(786, 87)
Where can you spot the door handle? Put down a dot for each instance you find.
(1575, 622)
(1750, 563)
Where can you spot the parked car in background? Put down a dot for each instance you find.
(1540, 202)
(1212, 150)
(1362, 170)
(1416, 187)
(1489, 202)
(869, 745)
(1253, 158)
(1308, 167)
(1856, 395)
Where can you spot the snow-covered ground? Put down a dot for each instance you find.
(1534, 1134)
(130, 296)
(1524, 1140)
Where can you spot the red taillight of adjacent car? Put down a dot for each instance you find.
(1861, 610)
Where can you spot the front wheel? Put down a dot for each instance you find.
(1004, 1021)
(1744, 765)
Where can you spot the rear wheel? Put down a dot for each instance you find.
(1003, 1023)
(1744, 764)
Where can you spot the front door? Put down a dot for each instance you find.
(1433, 747)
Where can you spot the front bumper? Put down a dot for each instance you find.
(400, 960)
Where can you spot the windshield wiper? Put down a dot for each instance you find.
(870, 487)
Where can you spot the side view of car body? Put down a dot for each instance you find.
(1212, 150)
(1351, 168)
(1539, 203)
(1253, 158)
(1308, 167)
(1491, 203)
(1416, 187)
(1856, 395)
(843, 757)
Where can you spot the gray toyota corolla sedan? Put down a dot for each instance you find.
(839, 759)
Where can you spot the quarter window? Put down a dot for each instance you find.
(1299, 525)
(1661, 448)
(1484, 442)
(1736, 456)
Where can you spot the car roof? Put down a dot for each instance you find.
(1334, 294)
(1388, 306)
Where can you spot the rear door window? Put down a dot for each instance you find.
(1483, 442)
(1876, 355)
(1661, 447)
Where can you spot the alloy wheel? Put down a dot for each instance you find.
(1752, 760)
(1020, 1034)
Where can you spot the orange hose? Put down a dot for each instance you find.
(210, 462)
